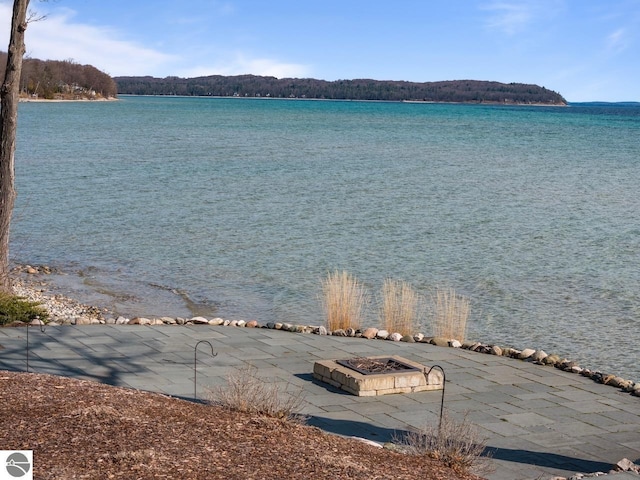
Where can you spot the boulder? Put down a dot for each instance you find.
(496, 350)
(216, 322)
(407, 338)
(339, 333)
(251, 324)
(538, 356)
(382, 334)
(440, 341)
(122, 321)
(526, 353)
(418, 337)
(395, 337)
(455, 343)
(200, 321)
(322, 330)
(370, 332)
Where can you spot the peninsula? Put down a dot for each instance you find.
(453, 91)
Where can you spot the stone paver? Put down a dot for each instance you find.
(538, 421)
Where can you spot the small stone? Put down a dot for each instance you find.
(122, 321)
(350, 332)
(468, 345)
(526, 353)
(624, 465)
(418, 337)
(30, 270)
(538, 356)
(496, 350)
(251, 324)
(370, 332)
(339, 333)
(200, 321)
(168, 320)
(233, 323)
(395, 337)
(551, 359)
(636, 391)
(216, 322)
(408, 339)
(322, 330)
(455, 343)
(382, 334)
(440, 341)
(241, 323)
(278, 326)
(271, 325)
(180, 321)
(226, 323)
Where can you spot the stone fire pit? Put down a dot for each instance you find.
(380, 375)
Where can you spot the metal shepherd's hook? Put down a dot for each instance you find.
(42, 329)
(195, 362)
(444, 382)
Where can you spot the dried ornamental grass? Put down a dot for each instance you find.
(400, 307)
(451, 312)
(457, 444)
(246, 392)
(344, 301)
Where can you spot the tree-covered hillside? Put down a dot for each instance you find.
(467, 91)
(53, 79)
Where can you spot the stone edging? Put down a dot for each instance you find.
(538, 357)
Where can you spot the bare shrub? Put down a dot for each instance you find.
(400, 307)
(246, 392)
(344, 301)
(457, 444)
(451, 312)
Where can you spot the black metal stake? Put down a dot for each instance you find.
(195, 361)
(444, 381)
(42, 329)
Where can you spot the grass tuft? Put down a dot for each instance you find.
(457, 444)
(246, 392)
(451, 312)
(400, 307)
(344, 301)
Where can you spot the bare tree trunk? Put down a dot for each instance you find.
(8, 125)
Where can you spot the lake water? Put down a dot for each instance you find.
(239, 207)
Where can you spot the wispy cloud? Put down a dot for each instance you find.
(618, 40)
(509, 18)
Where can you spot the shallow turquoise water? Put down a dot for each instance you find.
(244, 205)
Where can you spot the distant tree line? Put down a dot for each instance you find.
(465, 91)
(51, 79)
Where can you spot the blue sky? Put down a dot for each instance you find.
(586, 50)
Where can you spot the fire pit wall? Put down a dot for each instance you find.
(370, 385)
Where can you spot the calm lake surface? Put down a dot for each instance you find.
(239, 207)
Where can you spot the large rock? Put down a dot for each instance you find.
(408, 339)
(370, 332)
(382, 334)
(200, 321)
(526, 353)
(395, 337)
(440, 341)
(251, 324)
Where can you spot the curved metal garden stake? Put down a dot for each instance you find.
(444, 382)
(195, 361)
(42, 329)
